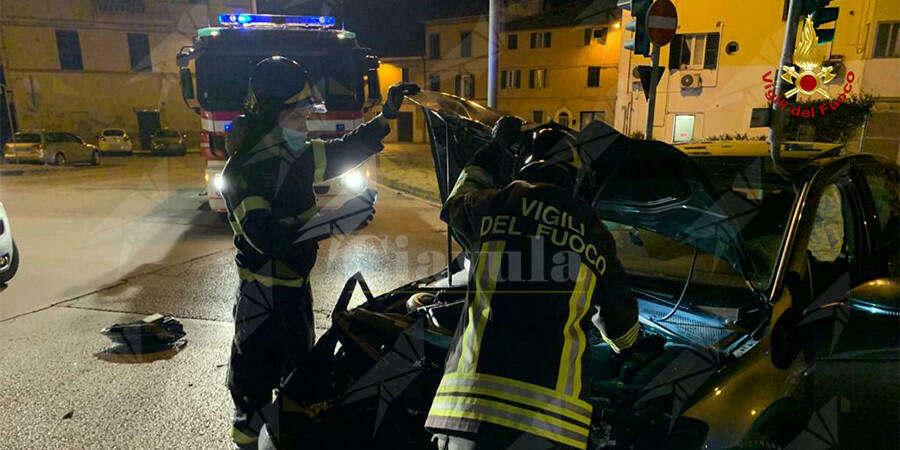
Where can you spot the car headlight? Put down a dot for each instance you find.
(354, 180)
(218, 182)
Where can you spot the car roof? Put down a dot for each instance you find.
(792, 149)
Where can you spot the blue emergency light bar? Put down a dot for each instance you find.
(266, 19)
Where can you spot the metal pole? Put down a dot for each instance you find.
(493, 50)
(651, 99)
(779, 117)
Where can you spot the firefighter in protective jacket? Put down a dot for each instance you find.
(268, 191)
(543, 268)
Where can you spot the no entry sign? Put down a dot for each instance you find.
(662, 20)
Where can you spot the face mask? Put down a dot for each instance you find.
(295, 140)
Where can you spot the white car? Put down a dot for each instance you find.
(114, 140)
(50, 147)
(9, 253)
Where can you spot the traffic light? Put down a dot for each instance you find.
(640, 45)
(822, 14)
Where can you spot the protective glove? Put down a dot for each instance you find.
(645, 350)
(506, 131)
(353, 215)
(394, 98)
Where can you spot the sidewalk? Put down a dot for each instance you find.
(409, 168)
(9, 169)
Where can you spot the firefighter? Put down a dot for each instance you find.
(268, 191)
(544, 268)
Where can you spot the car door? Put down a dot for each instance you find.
(54, 144)
(79, 150)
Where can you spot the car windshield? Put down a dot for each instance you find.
(113, 133)
(761, 223)
(167, 133)
(28, 138)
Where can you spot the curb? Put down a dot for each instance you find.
(21, 172)
(412, 190)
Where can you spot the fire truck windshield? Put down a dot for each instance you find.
(224, 63)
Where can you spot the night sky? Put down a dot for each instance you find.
(390, 27)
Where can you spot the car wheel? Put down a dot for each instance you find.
(95, 158)
(59, 159)
(13, 266)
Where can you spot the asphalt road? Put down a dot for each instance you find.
(111, 244)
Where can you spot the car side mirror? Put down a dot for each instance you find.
(865, 320)
(187, 83)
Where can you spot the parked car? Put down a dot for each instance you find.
(168, 142)
(114, 141)
(9, 253)
(775, 290)
(50, 147)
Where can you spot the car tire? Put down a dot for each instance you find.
(59, 159)
(13, 266)
(95, 158)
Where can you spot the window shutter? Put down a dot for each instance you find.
(547, 40)
(503, 79)
(457, 80)
(675, 51)
(531, 79)
(518, 79)
(710, 59)
(534, 40)
(588, 34)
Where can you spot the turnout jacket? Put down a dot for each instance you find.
(543, 267)
(271, 203)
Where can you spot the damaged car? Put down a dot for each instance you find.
(773, 283)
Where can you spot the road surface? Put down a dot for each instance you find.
(111, 244)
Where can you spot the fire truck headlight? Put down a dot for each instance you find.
(218, 182)
(354, 180)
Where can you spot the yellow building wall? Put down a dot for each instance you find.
(390, 71)
(107, 93)
(566, 61)
(729, 92)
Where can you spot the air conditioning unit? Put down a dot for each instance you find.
(690, 80)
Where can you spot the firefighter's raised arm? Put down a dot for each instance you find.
(490, 169)
(337, 156)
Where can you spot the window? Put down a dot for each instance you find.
(139, 51)
(537, 78)
(537, 116)
(887, 40)
(563, 119)
(884, 260)
(590, 116)
(119, 6)
(593, 78)
(69, 48)
(832, 247)
(512, 42)
(511, 79)
(434, 46)
(465, 44)
(404, 74)
(684, 128)
(465, 85)
(434, 82)
(540, 40)
(694, 51)
(595, 36)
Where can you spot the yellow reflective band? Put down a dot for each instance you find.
(480, 307)
(241, 438)
(265, 280)
(236, 227)
(472, 178)
(569, 380)
(449, 390)
(457, 377)
(576, 158)
(626, 340)
(250, 204)
(301, 218)
(302, 95)
(318, 146)
(510, 416)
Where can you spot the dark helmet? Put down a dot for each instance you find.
(554, 158)
(277, 83)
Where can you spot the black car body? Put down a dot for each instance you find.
(168, 142)
(782, 335)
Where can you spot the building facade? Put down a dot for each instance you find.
(557, 64)
(84, 65)
(714, 69)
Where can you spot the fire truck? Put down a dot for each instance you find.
(215, 70)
